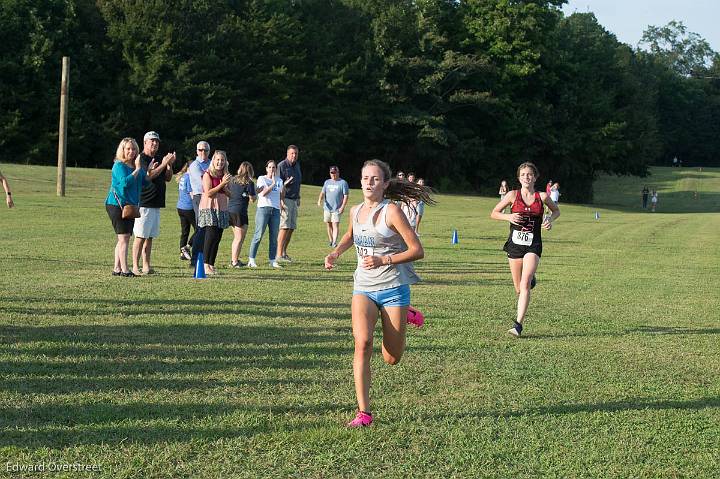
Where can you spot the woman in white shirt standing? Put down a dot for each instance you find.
(555, 193)
(270, 198)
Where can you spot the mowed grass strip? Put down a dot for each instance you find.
(249, 374)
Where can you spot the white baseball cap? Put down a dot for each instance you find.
(151, 135)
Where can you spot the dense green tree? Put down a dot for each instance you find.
(29, 74)
(687, 53)
(688, 101)
(518, 39)
(460, 92)
(603, 115)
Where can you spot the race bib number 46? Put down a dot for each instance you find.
(522, 238)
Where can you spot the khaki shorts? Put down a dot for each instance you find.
(288, 216)
(331, 217)
(148, 225)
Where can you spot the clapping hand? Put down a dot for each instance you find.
(169, 159)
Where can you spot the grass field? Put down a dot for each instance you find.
(249, 374)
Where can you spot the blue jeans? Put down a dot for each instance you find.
(265, 216)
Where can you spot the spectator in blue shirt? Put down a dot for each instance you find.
(335, 195)
(196, 171)
(185, 211)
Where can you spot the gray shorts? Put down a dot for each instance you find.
(288, 216)
(148, 225)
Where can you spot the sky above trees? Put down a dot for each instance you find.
(629, 19)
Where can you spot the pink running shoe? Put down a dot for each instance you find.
(361, 419)
(415, 317)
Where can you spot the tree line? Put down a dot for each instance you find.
(460, 92)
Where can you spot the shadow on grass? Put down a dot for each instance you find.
(156, 422)
(465, 282)
(167, 334)
(674, 330)
(110, 307)
(602, 407)
(57, 366)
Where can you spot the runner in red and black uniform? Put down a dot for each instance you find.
(525, 236)
(524, 244)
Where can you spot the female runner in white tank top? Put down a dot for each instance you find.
(386, 246)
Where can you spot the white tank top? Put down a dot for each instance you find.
(377, 239)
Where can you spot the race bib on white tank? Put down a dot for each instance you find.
(363, 251)
(522, 238)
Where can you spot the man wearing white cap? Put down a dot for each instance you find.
(196, 171)
(152, 198)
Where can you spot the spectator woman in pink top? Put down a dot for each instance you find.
(214, 216)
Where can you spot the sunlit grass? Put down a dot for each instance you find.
(249, 374)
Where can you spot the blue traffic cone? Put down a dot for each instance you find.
(200, 267)
(597, 215)
(454, 238)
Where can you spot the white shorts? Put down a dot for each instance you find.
(148, 225)
(331, 217)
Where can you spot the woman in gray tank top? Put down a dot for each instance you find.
(386, 246)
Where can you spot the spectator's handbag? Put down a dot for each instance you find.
(129, 212)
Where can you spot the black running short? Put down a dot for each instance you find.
(121, 226)
(515, 251)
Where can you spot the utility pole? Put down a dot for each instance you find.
(62, 134)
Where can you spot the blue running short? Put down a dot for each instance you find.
(397, 296)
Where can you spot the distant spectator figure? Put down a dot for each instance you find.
(333, 198)
(654, 200)
(420, 209)
(152, 199)
(8, 193)
(400, 175)
(214, 216)
(128, 177)
(271, 199)
(196, 171)
(645, 193)
(411, 212)
(242, 192)
(185, 211)
(555, 192)
(675, 161)
(289, 172)
(548, 186)
(503, 189)
(411, 177)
